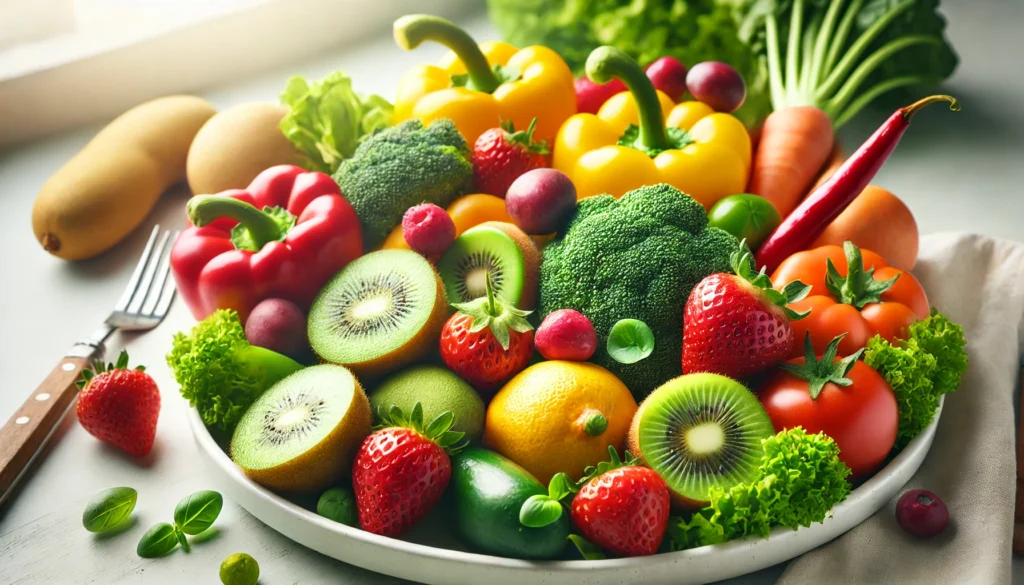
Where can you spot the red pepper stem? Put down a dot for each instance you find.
(809, 219)
(205, 209)
(607, 63)
(909, 111)
(412, 30)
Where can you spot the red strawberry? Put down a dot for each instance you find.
(401, 470)
(737, 324)
(500, 155)
(622, 508)
(487, 341)
(119, 406)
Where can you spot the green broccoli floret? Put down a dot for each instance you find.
(399, 167)
(636, 257)
(220, 373)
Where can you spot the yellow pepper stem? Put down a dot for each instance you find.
(412, 30)
(607, 63)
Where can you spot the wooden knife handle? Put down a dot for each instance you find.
(28, 430)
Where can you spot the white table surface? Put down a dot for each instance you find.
(957, 171)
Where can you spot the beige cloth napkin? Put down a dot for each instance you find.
(978, 282)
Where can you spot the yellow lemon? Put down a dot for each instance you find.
(559, 416)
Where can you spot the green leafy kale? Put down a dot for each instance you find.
(689, 30)
(840, 55)
(327, 120)
(920, 370)
(799, 481)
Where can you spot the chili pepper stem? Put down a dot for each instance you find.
(205, 209)
(909, 111)
(607, 63)
(412, 30)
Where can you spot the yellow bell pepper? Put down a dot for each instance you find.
(479, 86)
(640, 137)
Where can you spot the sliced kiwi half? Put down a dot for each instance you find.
(494, 248)
(301, 434)
(698, 431)
(382, 311)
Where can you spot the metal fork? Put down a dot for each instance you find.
(143, 304)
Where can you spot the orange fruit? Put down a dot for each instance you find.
(559, 416)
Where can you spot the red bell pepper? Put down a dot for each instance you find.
(282, 237)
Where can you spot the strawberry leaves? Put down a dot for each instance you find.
(100, 367)
(543, 509)
(437, 431)
(498, 316)
(524, 138)
(742, 261)
(858, 287)
(827, 369)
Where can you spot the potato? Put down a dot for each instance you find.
(106, 190)
(879, 221)
(236, 145)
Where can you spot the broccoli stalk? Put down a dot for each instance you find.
(220, 373)
(637, 257)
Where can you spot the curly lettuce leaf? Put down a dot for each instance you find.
(327, 120)
(740, 511)
(920, 369)
(810, 477)
(219, 372)
(689, 30)
(800, 479)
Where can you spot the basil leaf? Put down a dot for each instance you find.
(539, 511)
(197, 512)
(561, 487)
(630, 341)
(109, 509)
(157, 541)
(182, 540)
(588, 551)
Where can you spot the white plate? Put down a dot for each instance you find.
(418, 561)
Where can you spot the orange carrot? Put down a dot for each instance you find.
(795, 143)
(835, 160)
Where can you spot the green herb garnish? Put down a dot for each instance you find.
(109, 509)
(630, 341)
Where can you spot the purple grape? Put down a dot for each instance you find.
(278, 325)
(540, 201)
(718, 85)
(668, 74)
(922, 513)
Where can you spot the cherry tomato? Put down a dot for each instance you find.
(861, 417)
(748, 217)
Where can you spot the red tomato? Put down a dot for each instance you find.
(861, 417)
(902, 304)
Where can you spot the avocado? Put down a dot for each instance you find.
(485, 494)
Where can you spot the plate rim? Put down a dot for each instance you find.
(216, 455)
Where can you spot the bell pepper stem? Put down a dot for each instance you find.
(412, 30)
(607, 63)
(204, 209)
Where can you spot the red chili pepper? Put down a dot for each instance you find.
(810, 218)
(282, 237)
